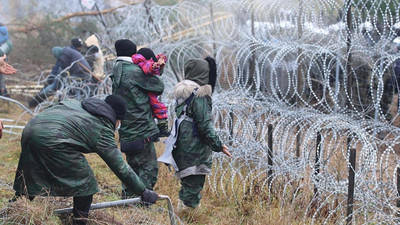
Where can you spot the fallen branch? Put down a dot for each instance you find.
(30, 27)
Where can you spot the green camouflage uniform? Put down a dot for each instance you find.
(51, 161)
(196, 140)
(132, 84)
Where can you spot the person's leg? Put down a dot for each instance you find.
(191, 187)
(42, 95)
(19, 195)
(145, 165)
(81, 209)
(3, 90)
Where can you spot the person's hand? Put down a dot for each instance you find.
(149, 197)
(225, 151)
(162, 59)
(6, 68)
(1, 129)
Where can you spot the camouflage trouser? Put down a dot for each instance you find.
(145, 165)
(191, 187)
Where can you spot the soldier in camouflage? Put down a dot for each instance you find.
(196, 137)
(52, 161)
(139, 130)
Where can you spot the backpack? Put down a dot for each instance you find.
(167, 157)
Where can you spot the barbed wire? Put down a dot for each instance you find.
(304, 67)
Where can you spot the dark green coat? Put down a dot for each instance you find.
(51, 161)
(194, 147)
(132, 84)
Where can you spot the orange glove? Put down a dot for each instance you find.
(6, 68)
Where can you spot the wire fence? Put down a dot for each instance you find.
(309, 69)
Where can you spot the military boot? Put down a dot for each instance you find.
(39, 98)
(181, 208)
(3, 92)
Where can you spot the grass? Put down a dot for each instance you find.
(259, 207)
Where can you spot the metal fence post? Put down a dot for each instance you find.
(350, 192)
(270, 150)
(317, 159)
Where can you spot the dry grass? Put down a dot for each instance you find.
(258, 208)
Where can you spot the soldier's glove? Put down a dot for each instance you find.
(149, 197)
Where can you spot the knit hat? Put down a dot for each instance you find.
(117, 103)
(57, 51)
(77, 42)
(125, 47)
(148, 54)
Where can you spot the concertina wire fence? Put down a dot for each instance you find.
(308, 68)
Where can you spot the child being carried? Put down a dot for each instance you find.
(153, 65)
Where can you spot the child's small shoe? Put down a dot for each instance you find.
(163, 127)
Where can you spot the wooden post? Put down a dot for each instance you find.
(270, 150)
(230, 128)
(350, 192)
(350, 29)
(298, 141)
(398, 190)
(317, 159)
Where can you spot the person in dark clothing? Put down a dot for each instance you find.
(70, 62)
(54, 142)
(5, 48)
(139, 131)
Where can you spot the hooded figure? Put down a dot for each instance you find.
(53, 143)
(69, 59)
(98, 62)
(196, 138)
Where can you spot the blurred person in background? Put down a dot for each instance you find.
(74, 64)
(5, 49)
(94, 56)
